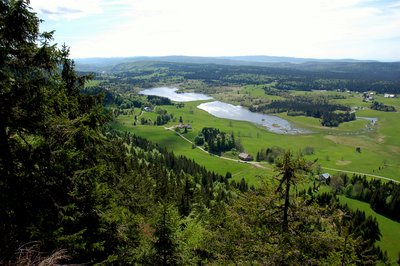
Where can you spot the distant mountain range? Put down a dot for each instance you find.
(366, 68)
(284, 59)
(98, 64)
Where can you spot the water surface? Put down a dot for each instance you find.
(373, 120)
(228, 111)
(171, 94)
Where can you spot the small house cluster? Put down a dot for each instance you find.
(368, 96)
(245, 156)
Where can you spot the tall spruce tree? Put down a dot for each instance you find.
(26, 73)
(50, 138)
(289, 169)
(165, 233)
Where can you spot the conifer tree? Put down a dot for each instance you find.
(165, 245)
(289, 169)
(50, 141)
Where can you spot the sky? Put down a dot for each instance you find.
(336, 29)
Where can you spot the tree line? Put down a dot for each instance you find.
(331, 115)
(382, 107)
(356, 77)
(359, 225)
(215, 141)
(383, 197)
(70, 182)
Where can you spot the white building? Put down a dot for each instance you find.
(387, 95)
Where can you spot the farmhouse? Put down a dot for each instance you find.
(387, 95)
(324, 177)
(245, 156)
(368, 96)
(147, 109)
(188, 126)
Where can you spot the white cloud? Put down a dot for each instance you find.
(66, 9)
(309, 28)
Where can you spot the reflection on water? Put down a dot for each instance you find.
(171, 94)
(224, 110)
(272, 123)
(373, 120)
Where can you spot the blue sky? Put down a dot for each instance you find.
(360, 29)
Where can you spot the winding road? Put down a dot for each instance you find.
(255, 164)
(358, 173)
(258, 165)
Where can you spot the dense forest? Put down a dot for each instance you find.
(384, 198)
(379, 77)
(215, 141)
(318, 107)
(73, 190)
(382, 107)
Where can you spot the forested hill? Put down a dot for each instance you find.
(354, 76)
(329, 68)
(223, 60)
(344, 70)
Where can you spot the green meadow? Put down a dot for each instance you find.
(334, 148)
(390, 239)
(179, 146)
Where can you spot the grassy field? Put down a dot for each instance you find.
(179, 146)
(335, 148)
(390, 230)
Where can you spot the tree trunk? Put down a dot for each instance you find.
(285, 224)
(6, 161)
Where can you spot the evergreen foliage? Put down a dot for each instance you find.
(383, 197)
(163, 117)
(216, 140)
(382, 107)
(71, 183)
(318, 107)
(269, 154)
(379, 77)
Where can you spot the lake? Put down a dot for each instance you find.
(171, 94)
(228, 111)
(272, 123)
